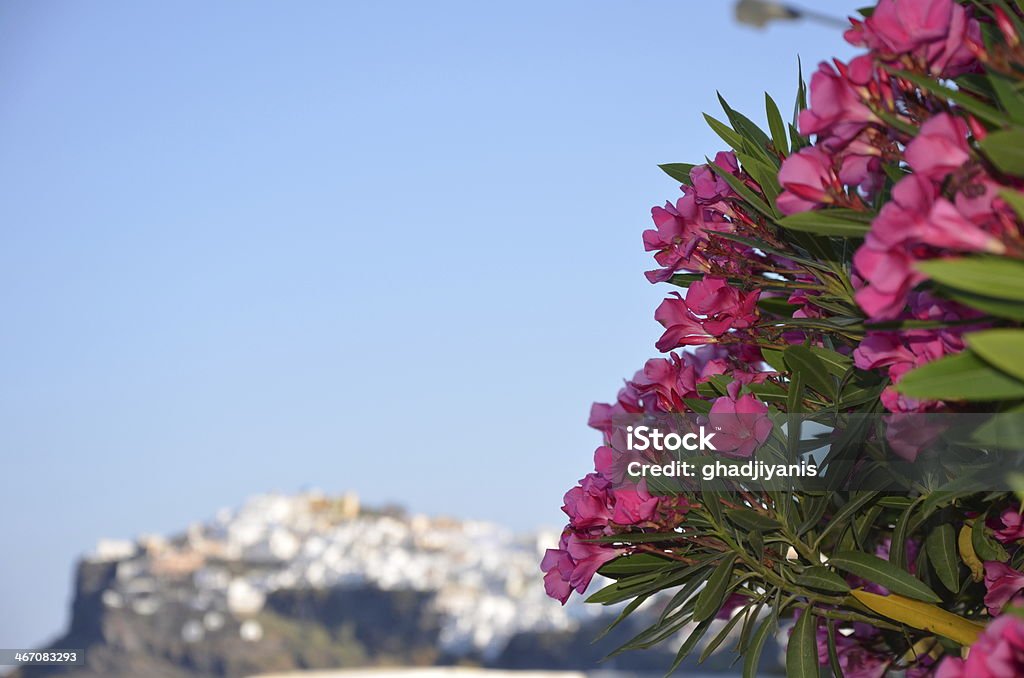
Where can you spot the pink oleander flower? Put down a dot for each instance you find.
(836, 108)
(710, 310)
(808, 181)
(741, 423)
(1009, 527)
(634, 504)
(915, 225)
(1002, 583)
(909, 433)
(573, 565)
(998, 653)
(588, 505)
(674, 238)
(939, 148)
(710, 188)
(938, 34)
(557, 567)
(681, 228)
(901, 351)
(672, 379)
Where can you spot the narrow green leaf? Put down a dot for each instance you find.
(942, 554)
(724, 633)
(1005, 149)
(758, 140)
(626, 611)
(710, 600)
(833, 652)
(776, 125)
(802, 650)
(962, 376)
(727, 134)
(744, 191)
(985, 546)
(822, 579)
(633, 564)
(825, 222)
(752, 520)
(1001, 348)
(997, 277)
(966, 101)
(1003, 308)
(812, 370)
(680, 171)
(883, 573)
(690, 643)
(1009, 97)
(753, 655)
(1015, 199)
(843, 515)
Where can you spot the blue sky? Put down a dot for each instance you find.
(389, 247)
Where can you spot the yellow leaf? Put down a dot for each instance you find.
(923, 616)
(968, 555)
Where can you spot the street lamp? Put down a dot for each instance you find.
(759, 13)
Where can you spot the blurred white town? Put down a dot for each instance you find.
(486, 579)
(294, 583)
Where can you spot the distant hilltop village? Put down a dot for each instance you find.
(485, 579)
(313, 581)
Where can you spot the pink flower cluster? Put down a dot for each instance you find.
(898, 352)
(998, 652)
(711, 309)
(939, 36)
(861, 115)
(603, 503)
(683, 238)
(920, 222)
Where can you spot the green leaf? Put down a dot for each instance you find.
(1009, 97)
(724, 633)
(751, 520)
(1005, 149)
(962, 376)
(848, 510)
(985, 546)
(680, 171)
(690, 643)
(822, 579)
(1002, 308)
(941, 546)
(966, 101)
(802, 650)
(1001, 348)
(898, 544)
(1014, 199)
(758, 140)
(626, 611)
(710, 600)
(828, 223)
(776, 125)
(753, 654)
(833, 652)
(636, 563)
(836, 363)
(884, 573)
(727, 134)
(812, 369)
(744, 191)
(997, 277)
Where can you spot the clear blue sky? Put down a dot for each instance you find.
(392, 247)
